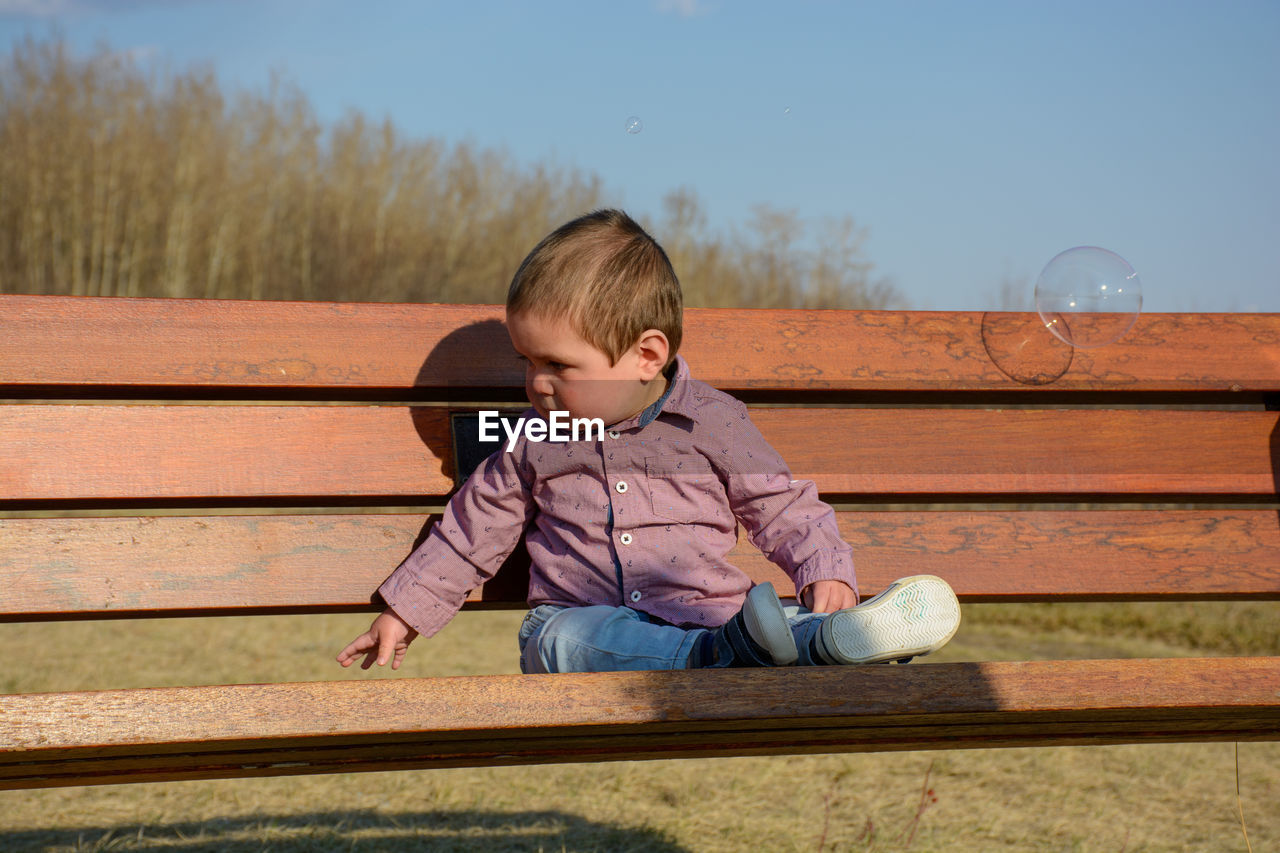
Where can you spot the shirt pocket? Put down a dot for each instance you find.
(682, 488)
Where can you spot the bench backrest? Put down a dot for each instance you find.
(169, 457)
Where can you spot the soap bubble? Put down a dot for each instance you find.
(1088, 297)
(634, 124)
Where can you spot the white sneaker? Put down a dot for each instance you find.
(913, 616)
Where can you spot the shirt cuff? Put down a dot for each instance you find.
(827, 565)
(415, 603)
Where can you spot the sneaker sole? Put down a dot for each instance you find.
(768, 625)
(913, 617)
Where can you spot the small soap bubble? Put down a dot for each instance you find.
(634, 124)
(1088, 297)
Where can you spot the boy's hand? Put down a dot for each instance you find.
(387, 639)
(828, 596)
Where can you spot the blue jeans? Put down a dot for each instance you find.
(610, 639)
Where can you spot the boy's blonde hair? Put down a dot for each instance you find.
(608, 277)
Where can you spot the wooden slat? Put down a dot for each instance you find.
(231, 343)
(283, 729)
(96, 567)
(297, 345)
(191, 452)
(1027, 452)
(74, 452)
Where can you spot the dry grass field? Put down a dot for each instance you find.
(1122, 798)
(117, 181)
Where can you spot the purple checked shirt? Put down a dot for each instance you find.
(644, 518)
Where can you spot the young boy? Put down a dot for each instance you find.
(630, 531)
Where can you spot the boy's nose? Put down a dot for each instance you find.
(540, 384)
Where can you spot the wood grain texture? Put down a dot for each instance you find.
(279, 455)
(192, 452)
(314, 345)
(283, 729)
(100, 567)
(84, 452)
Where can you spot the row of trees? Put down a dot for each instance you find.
(117, 181)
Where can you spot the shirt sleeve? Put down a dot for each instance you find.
(783, 517)
(480, 527)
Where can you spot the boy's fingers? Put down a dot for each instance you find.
(377, 646)
(829, 599)
(821, 602)
(372, 654)
(352, 650)
(386, 649)
(819, 598)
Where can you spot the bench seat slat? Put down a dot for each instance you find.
(993, 730)
(316, 345)
(103, 567)
(283, 729)
(82, 452)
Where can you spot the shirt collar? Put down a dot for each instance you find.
(677, 399)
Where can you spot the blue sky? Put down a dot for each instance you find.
(974, 140)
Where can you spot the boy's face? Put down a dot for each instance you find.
(563, 372)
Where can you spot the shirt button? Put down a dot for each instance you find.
(621, 486)
(625, 539)
(613, 433)
(635, 595)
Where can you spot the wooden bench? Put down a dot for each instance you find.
(972, 446)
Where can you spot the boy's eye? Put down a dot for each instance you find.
(554, 365)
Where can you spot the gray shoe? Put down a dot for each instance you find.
(758, 634)
(913, 616)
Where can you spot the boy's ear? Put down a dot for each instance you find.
(652, 350)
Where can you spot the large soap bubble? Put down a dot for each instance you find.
(1088, 297)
